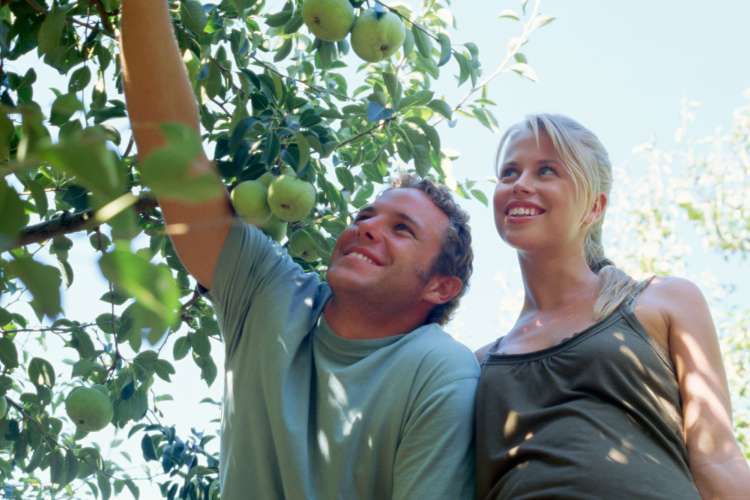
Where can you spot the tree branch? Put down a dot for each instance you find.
(71, 223)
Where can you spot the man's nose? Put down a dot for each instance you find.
(370, 228)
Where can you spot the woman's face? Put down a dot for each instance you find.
(535, 200)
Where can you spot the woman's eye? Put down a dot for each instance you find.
(546, 170)
(508, 172)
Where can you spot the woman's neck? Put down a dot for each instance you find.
(554, 282)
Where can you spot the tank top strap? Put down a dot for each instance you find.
(628, 303)
(628, 311)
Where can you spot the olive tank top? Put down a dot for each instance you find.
(595, 416)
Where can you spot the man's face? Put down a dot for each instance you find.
(386, 254)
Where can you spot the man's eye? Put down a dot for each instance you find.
(404, 227)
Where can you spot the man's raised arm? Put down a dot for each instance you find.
(157, 90)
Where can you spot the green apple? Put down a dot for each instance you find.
(303, 246)
(329, 20)
(3, 407)
(275, 228)
(377, 35)
(290, 198)
(267, 178)
(89, 408)
(250, 202)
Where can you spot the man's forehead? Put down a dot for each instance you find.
(409, 203)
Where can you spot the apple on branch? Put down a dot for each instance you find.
(89, 408)
(290, 198)
(377, 34)
(249, 199)
(329, 20)
(302, 245)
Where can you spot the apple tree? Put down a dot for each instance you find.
(337, 113)
(691, 219)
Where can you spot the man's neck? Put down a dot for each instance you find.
(360, 320)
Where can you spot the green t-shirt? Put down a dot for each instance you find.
(311, 415)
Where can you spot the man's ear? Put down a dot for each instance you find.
(597, 209)
(441, 289)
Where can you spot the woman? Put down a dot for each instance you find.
(605, 387)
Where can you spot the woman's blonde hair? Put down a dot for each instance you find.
(588, 162)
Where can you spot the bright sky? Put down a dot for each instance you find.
(621, 68)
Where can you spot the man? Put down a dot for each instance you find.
(341, 390)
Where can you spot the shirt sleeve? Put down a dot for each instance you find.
(250, 266)
(435, 458)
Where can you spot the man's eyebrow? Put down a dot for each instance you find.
(366, 209)
(409, 219)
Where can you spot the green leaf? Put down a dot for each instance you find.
(541, 21)
(509, 14)
(71, 467)
(441, 107)
(51, 30)
(303, 147)
(148, 448)
(108, 322)
(105, 487)
(445, 49)
(167, 171)
(201, 345)
(345, 177)
(208, 369)
(422, 41)
(89, 461)
(152, 286)
(294, 23)
(408, 47)
(164, 369)
(7, 131)
(181, 348)
(13, 218)
(393, 86)
(479, 195)
(56, 467)
(63, 108)
(83, 344)
(464, 67)
(280, 18)
(41, 372)
(192, 16)
(8, 353)
(242, 5)
(283, 51)
(90, 161)
(524, 70)
(422, 161)
(42, 281)
(418, 98)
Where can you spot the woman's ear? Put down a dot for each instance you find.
(597, 209)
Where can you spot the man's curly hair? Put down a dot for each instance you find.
(456, 256)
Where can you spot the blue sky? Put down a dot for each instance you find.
(621, 68)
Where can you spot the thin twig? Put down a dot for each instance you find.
(502, 66)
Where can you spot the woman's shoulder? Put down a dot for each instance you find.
(483, 352)
(664, 299)
(670, 293)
